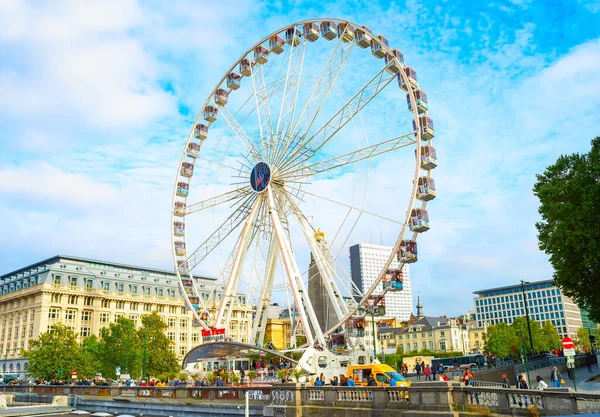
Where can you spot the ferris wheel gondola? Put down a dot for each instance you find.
(282, 144)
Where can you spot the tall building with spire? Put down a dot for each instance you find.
(366, 262)
(419, 308)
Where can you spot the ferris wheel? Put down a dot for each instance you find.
(302, 120)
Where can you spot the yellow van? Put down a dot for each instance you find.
(381, 372)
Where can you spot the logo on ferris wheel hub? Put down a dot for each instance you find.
(260, 176)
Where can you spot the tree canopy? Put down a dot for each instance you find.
(551, 336)
(159, 358)
(499, 340)
(569, 194)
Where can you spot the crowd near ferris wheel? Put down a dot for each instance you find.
(289, 117)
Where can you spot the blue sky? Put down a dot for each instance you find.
(96, 102)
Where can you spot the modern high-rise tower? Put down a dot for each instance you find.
(366, 262)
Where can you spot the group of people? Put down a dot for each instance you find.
(555, 379)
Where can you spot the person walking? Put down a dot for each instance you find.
(541, 384)
(522, 384)
(427, 373)
(418, 370)
(505, 381)
(433, 371)
(555, 377)
(440, 369)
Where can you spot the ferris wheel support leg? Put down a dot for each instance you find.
(226, 306)
(301, 300)
(260, 322)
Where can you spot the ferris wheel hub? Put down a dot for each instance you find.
(260, 177)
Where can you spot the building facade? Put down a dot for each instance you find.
(366, 262)
(545, 302)
(88, 295)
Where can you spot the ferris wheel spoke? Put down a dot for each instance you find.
(345, 114)
(229, 294)
(349, 158)
(331, 200)
(290, 94)
(263, 111)
(236, 194)
(229, 225)
(240, 134)
(322, 88)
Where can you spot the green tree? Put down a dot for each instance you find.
(499, 340)
(52, 351)
(582, 338)
(159, 358)
(550, 334)
(569, 194)
(540, 344)
(119, 346)
(90, 351)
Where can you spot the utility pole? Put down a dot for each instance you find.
(527, 315)
(144, 359)
(374, 338)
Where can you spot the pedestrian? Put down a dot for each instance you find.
(371, 381)
(350, 382)
(589, 364)
(433, 371)
(555, 378)
(418, 370)
(522, 384)
(541, 384)
(427, 373)
(393, 381)
(505, 381)
(440, 369)
(318, 382)
(334, 381)
(220, 382)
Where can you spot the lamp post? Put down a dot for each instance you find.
(527, 315)
(372, 314)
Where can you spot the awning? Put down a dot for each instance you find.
(219, 350)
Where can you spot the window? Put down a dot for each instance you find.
(104, 318)
(442, 345)
(173, 310)
(195, 337)
(85, 332)
(89, 283)
(134, 306)
(134, 319)
(442, 333)
(105, 285)
(430, 345)
(160, 309)
(120, 305)
(88, 301)
(415, 346)
(30, 332)
(53, 315)
(56, 298)
(70, 316)
(120, 287)
(424, 345)
(182, 350)
(146, 290)
(118, 316)
(105, 303)
(72, 299)
(171, 322)
(86, 316)
(183, 337)
(171, 336)
(133, 289)
(159, 292)
(183, 323)
(147, 307)
(172, 349)
(73, 281)
(57, 279)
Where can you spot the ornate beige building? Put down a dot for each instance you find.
(88, 295)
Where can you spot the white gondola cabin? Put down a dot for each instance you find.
(394, 60)
(210, 113)
(393, 280)
(425, 126)
(234, 80)
(408, 251)
(363, 39)
(329, 30)
(221, 96)
(425, 189)
(355, 326)
(186, 282)
(201, 131)
(421, 99)
(261, 55)
(419, 220)
(311, 31)
(246, 67)
(292, 36)
(179, 248)
(183, 267)
(193, 150)
(411, 74)
(194, 301)
(187, 170)
(378, 45)
(276, 44)
(179, 209)
(178, 228)
(183, 189)
(376, 304)
(428, 157)
(338, 342)
(346, 32)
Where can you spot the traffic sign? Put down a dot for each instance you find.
(568, 343)
(569, 352)
(74, 374)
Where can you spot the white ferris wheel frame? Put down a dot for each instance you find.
(291, 159)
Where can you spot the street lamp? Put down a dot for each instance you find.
(372, 314)
(527, 314)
